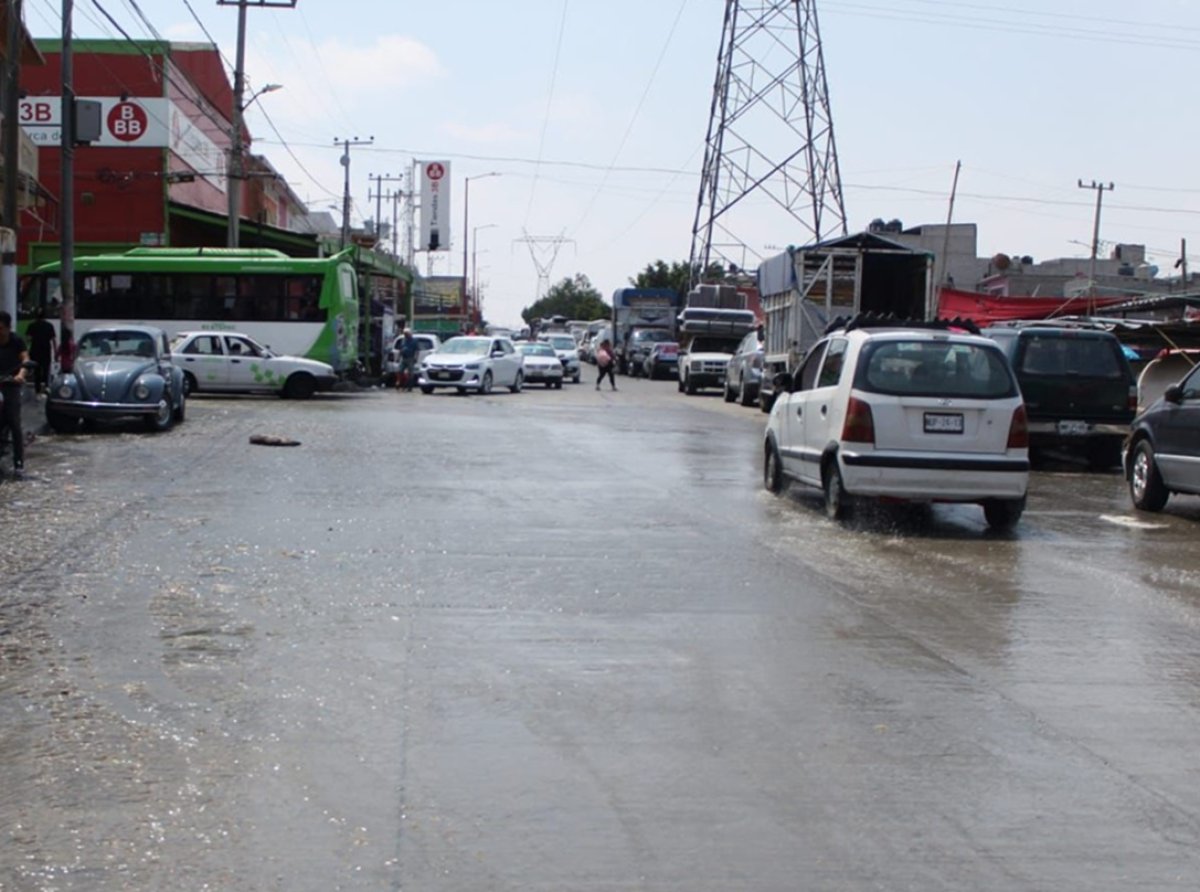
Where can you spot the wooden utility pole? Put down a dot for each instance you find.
(1100, 188)
(67, 189)
(346, 144)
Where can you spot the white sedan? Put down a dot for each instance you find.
(473, 363)
(542, 365)
(236, 363)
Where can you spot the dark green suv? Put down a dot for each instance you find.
(1079, 390)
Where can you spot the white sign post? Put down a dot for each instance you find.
(435, 206)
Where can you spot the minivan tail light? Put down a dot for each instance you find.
(859, 426)
(1018, 429)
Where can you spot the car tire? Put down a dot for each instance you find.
(190, 385)
(60, 423)
(181, 409)
(1146, 487)
(744, 397)
(558, 385)
(162, 419)
(837, 502)
(426, 389)
(576, 379)
(689, 386)
(773, 480)
(300, 386)
(729, 395)
(518, 383)
(1003, 514)
(679, 384)
(485, 386)
(765, 401)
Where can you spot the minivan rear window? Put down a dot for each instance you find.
(1055, 355)
(935, 368)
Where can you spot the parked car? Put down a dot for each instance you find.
(234, 362)
(640, 342)
(564, 346)
(662, 360)
(744, 375)
(426, 344)
(1163, 453)
(473, 363)
(1079, 390)
(916, 414)
(541, 364)
(120, 372)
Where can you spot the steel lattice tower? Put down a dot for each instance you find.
(770, 133)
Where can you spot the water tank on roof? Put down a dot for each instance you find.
(1026, 260)
(1001, 262)
(876, 225)
(894, 226)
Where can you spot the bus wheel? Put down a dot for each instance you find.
(299, 386)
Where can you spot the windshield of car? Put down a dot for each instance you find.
(471, 346)
(714, 345)
(935, 368)
(563, 342)
(536, 349)
(116, 343)
(1058, 355)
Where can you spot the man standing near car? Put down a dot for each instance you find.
(408, 360)
(41, 336)
(13, 356)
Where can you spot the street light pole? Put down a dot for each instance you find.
(466, 228)
(474, 252)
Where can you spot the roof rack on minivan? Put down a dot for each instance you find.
(891, 320)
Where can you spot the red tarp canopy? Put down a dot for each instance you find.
(983, 309)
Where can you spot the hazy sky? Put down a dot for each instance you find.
(612, 98)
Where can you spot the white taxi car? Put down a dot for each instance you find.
(542, 365)
(918, 414)
(235, 362)
(473, 363)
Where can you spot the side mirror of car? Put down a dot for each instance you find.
(1173, 394)
(783, 382)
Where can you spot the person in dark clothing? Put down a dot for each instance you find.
(606, 363)
(409, 352)
(13, 356)
(41, 337)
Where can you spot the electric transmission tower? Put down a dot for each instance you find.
(543, 249)
(770, 135)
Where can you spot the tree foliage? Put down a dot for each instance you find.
(573, 297)
(676, 275)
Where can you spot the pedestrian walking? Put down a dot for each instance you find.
(13, 356)
(605, 363)
(409, 351)
(42, 339)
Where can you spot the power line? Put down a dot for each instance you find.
(562, 26)
(636, 112)
(295, 158)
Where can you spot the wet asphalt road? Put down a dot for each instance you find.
(564, 641)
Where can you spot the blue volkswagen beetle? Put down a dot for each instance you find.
(119, 372)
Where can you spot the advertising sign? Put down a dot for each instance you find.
(435, 206)
(127, 122)
(437, 296)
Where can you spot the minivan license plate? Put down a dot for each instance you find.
(1073, 428)
(943, 423)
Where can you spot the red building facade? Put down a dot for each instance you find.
(157, 175)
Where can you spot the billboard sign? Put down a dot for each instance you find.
(435, 206)
(438, 296)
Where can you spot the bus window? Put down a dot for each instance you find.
(303, 297)
(346, 283)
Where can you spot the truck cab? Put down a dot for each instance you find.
(708, 338)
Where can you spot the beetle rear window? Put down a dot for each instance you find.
(935, 368)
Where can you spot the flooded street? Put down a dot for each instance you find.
(564, 640)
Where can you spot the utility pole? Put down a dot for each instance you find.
(379, 179)
(543, 262)
(1182, 263)
(346, 144)
(12, 161)
(1100, 188)
(67, 189)
(396, 195)
(235, 175)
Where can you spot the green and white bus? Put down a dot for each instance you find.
(300, 306)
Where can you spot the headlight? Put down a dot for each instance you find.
(697, 365)
(472, 366)
(141, 391)
(66, 391)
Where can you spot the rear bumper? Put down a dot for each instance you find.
(934, 478)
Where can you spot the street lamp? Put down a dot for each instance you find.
(234, 184)
(474, 252)
(466, 228)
